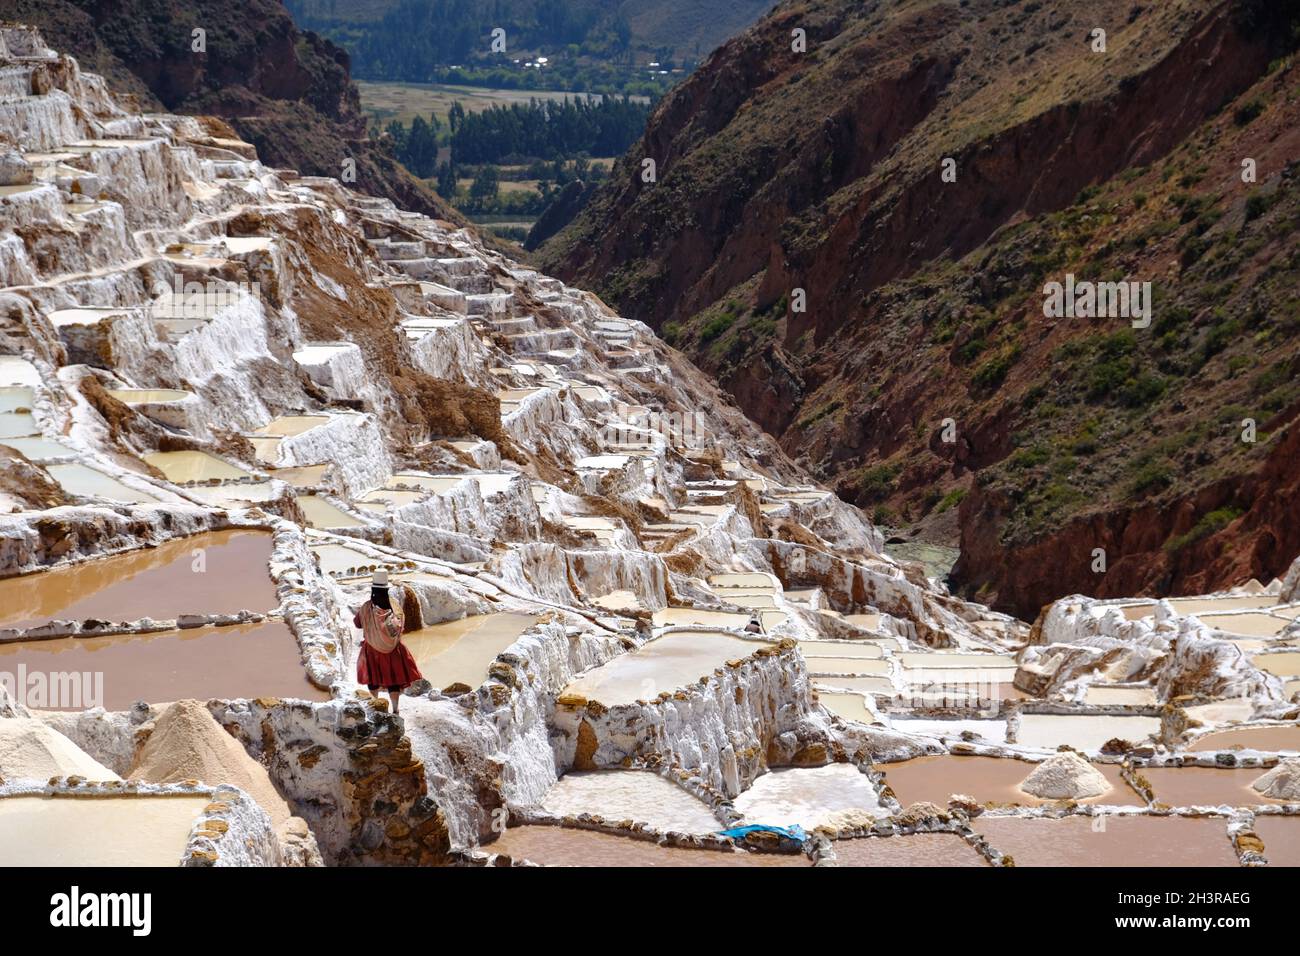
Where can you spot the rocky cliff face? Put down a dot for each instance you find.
(287, 92)
(802, 241)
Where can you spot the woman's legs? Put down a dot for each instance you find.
(395, 696)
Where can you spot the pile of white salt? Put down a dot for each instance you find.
(29, 750)
(1065, 776)
(1282, 782)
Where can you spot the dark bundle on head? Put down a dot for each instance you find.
(379, 597)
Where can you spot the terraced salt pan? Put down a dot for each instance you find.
(1281, 836)
(234, 494)
(18, 371)
(1284, 664)
(85, 482)
(1274, 739)
(386, 499)
(322, 514)
(1197, 605)
(841, 649)
(1087, 732)
(219, 572)
(97, 831)
(338, 558)
(988, 780)
(848, 706)
(1206, 786)
(240, 661)
(917, 849)
(1248, 625)
(182, 466)
(990, 731)
(808, 796)
(846, 665)
(459, 652)
(864, 685)
(40, 449)
(1144, 841)
(148, 396)
(922, 661)
(1126, 696)
(663, 664)
(13, 397)
(561, 846)
(18, 425)
(303, 476)
(287, 426)
(630, 795)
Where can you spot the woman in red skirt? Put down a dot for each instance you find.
(384, 660)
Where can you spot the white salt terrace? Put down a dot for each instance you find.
(459, 652)
(62, 318)
(661, 665)
(14, 397)
(148, 396)
(140, 830)
(40, 450)
(287, 426)
(338, 560)
(386, 499)
(809, 797)
(630, 795)
(489, 483)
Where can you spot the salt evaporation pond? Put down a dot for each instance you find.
(848, 706)
(630, 795)
(219, 572)
(1196, 605)
(86, 482)
(846, 665)
(147, 396)
(39, 449)
(288, 425)
(1144, 841)
(239, 661)
(1281, 836)
(97, 831)
(322, 514)
(14, 397)
(562, 846)
(1246, 625)
(1083, 731)
(459, 652)
(17, 425)
(918, 849)
(663, 664)
(301, 476)
(840, 649)
(1285, 664)
(1126, 696)
(1206, 786)
(183, 466)
(988, 780)
(807, 796)
(1273, 739)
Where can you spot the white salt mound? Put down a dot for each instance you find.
(1066, 776)
(187, 743)
(1282, 782)
(31, 751)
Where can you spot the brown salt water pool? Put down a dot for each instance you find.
(245, 660)
(1281, 836)
(1206, 786)
(988, 780)
(560, 846)
(1124, 841)
(97, 831)
(1268, 739)
(219, 572)
(919, 849)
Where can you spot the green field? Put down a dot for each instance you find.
(404, 101)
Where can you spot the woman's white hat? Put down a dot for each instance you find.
(380, 579)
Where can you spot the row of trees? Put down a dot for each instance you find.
(549, 130)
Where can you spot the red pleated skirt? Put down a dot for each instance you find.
(377, 669)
